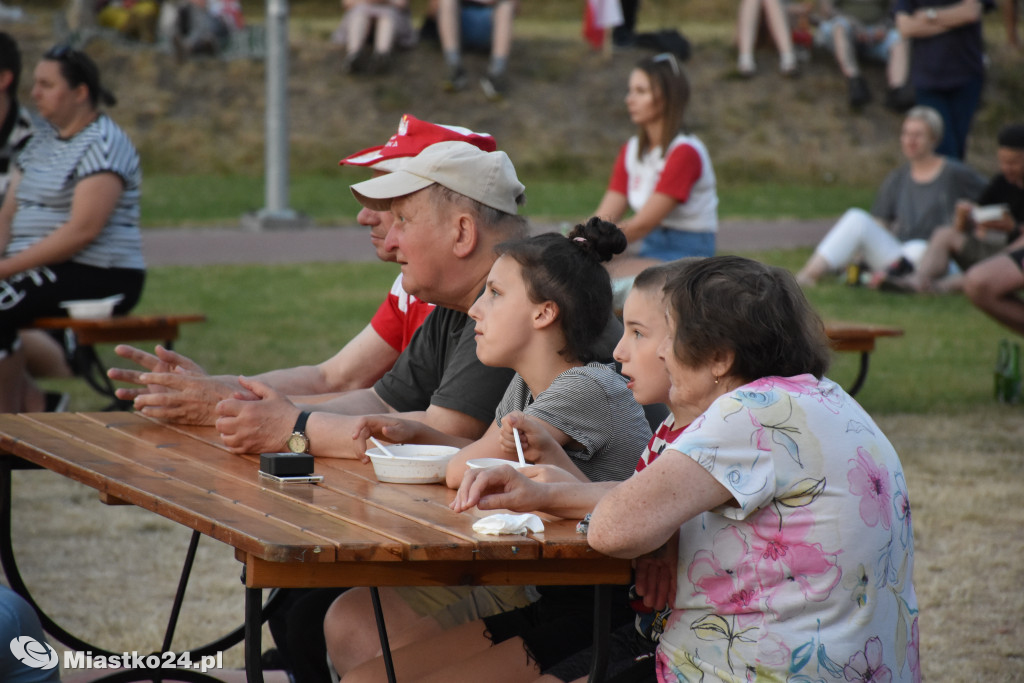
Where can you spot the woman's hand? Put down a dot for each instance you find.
(501, 488)
(655, 575)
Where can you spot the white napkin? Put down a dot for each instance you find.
(509, 524)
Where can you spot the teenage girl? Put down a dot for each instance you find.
(663, 175)
(546, 301)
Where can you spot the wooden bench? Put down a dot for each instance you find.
(87, 364)
(858, 337)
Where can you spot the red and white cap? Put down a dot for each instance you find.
(413, 137)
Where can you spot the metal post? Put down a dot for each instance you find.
(276, 213)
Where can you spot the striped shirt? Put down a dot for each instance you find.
(14, 135)
(51, 169)
(592, 405)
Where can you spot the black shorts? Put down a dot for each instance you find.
(1018, 258)
(630, 659)
(559, 624)
(38, 293)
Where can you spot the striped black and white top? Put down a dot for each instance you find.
(14, 135)
(593, 406)
(51, 169)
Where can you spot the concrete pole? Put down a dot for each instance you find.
(276, 213)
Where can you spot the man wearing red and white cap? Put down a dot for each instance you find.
(187, 394)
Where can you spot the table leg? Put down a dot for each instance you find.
(254, 635)
(602, 632)
(861, 375)
(382, 632)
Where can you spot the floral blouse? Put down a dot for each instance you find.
(808, 574)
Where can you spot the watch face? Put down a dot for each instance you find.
(298, 443)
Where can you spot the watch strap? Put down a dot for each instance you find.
(300, 423)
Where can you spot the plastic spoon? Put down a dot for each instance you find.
(382, 447)
(519, 448)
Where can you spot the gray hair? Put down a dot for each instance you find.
(508, 226)
(931, 118)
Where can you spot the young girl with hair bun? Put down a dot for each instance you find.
(545, 304)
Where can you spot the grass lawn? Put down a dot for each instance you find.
(263, 317)
(221, 200)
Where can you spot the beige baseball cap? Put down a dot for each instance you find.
(487, 177)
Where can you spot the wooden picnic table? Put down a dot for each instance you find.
(349, 530)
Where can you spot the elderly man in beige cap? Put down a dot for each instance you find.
(451, 205)
(174, 388)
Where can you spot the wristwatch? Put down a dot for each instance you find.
(298, 442)
(931, 14)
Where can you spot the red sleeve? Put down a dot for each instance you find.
(389, 321)
(620, 179)
(682, 170)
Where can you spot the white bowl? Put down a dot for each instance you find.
(993, 212)
(481, 463)
(90, 309)
(412, 464)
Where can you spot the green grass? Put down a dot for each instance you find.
(264, 317)
(202, 200)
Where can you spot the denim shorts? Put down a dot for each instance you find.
(878, 51)
(666, 244)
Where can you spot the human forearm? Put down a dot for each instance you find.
(57, 247)
(932, 21)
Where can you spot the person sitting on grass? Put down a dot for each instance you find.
(970, 240)
(478, 24)
(913, 201)
(387, 22)
(560, 622)
(546, 301)
(662, 175)
(788, 503)
(996, 284)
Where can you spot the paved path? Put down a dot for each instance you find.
(201, 246)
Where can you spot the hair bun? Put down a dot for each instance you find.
(600, 238)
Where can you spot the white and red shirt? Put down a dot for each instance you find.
(684, 173)
(666, 433)
(399, 316)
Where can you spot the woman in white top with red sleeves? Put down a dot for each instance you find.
(663, 175)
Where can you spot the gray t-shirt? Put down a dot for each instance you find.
(51, 169)
(440, 367)
(914, 210)
(593, 406)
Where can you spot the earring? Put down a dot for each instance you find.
(716, 378)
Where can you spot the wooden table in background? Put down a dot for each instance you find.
(349, 530)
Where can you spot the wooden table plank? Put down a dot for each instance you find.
(419, 543)
(193, 506)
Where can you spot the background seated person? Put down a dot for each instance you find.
(995, 286)
(69, 223)
(389, 24)
(477, 24)
(855, 29)
(662, 175)
(969, 241)
(913, 201)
